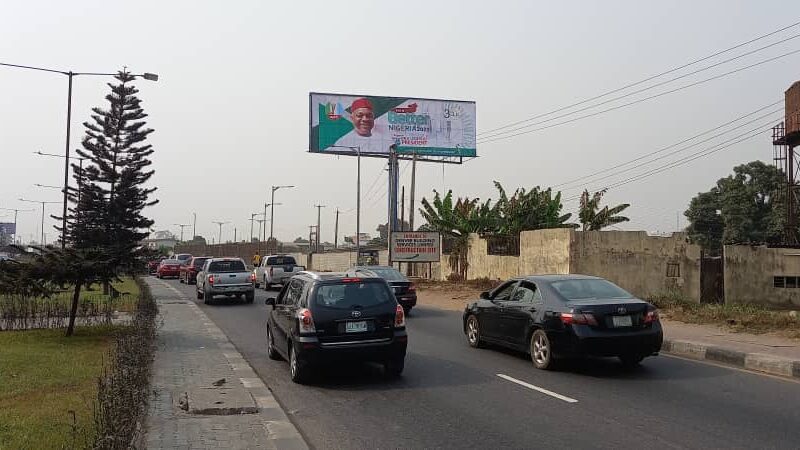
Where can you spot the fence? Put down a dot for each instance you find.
(502, 245)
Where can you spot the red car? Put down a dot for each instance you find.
(190, 270)
(169, 268)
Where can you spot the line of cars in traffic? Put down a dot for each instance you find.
(360, 315)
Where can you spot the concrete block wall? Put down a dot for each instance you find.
(750, 272)
(637, 262)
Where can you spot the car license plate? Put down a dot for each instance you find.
(356, 327)
(621, 321)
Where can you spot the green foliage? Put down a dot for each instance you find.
(595, 219)
(745, 207)
(528, 210)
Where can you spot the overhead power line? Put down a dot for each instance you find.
(696, 83)
(639, 91)
(659, 158)
(708, 151)
(599, 172)
(653, 77)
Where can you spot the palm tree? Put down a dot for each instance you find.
(529, 210)
(457, 221)
(595, 219)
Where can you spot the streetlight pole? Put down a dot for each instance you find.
(272, 209)
(43, 204)
(358, 199)
(220, 229)
(70, 74)
(16, 211)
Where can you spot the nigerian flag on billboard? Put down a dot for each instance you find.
(340, 123)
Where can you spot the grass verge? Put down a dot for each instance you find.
(747, 318)
(43, 377)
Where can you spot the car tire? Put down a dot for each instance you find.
(271, 352)
(406, 310)
(250, 297)
(199, 294)
(180, 279)
(265, 285)
(297, 371)
(541, 350)
(631, 361)
(474, 332)
(207, 298)
(394, 367)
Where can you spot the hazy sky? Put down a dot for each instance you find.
(231, 107)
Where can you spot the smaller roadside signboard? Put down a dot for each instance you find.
(415, 246)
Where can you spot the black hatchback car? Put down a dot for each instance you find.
(325, 318)
(553, 316)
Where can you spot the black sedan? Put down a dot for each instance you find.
(404, 289)
(561, 316)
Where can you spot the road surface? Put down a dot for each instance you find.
(454, 396)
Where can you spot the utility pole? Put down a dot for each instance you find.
(182, 227)
(234, 235)
(402, 209)
(16, 211)
(310, 237)
(411, 207)
(194, 225)
(336, 231)
(319, 209)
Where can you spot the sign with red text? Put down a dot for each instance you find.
(415, 246)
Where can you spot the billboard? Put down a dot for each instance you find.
(415, 246)
(372, 124)
(8, 228)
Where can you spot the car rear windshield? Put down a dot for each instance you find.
(198, 262)
(589, 289)
(347, 295)
(281, 261)
(227, 266)
(387, 273)
(183, 257)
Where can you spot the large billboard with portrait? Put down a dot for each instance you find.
(341, 123)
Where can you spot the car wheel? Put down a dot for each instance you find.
(474, 332)
(250, 297)
(180, 279)
(297, 371)
(265, 285)
(631, 361)
(406, 310)
(199, 294)
(271, 352)
(541, 350)
(207, 298)
(394, 367)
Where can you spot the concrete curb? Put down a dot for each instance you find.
(280, 431)
(757, 362)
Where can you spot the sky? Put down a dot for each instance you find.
(230, 108)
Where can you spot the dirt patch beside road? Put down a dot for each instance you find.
(448, 296)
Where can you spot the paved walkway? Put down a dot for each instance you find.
(206, 396)
(760, 352)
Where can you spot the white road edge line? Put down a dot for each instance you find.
(537, 388)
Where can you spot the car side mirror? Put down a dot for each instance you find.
(485, 295)
(270, 301)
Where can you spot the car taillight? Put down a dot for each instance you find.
(305, 321)
(578, 319)
(412, 288)
(351, 280)
(399, 317)
(211, 279)
(252, 278)
(651, 316)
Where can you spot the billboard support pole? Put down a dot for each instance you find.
(393, 176)
(411, 207)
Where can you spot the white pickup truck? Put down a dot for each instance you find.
(228, 277)
(276, 269)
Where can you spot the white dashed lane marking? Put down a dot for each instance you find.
(537, 388)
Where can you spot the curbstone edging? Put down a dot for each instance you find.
(757, 362)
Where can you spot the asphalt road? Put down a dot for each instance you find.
(451, 396)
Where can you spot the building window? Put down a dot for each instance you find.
(786, 282)
(673, 270)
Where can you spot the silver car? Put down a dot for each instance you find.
(227, 277)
